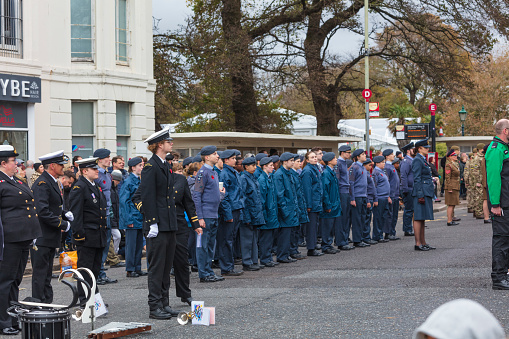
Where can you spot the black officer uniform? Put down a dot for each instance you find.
(88, 205)
(18, 216)
(159, 209)
(50, 207)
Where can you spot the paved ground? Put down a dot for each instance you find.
(384, 291)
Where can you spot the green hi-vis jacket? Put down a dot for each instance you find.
(497, 172)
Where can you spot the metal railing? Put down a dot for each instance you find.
(11, 28)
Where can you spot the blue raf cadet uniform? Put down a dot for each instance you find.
(231, 213)
(383, 190)
(313, 192)
(342, 224)
(358, 194)
(392, 175)
(269, 206)
(299, 232)
(423, 185)
(331, 204)
(288, 211)
(259, 170)
(371, 198)
(407, 184)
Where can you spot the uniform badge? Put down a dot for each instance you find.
(94, 199)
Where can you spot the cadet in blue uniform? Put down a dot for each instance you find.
(288, 207)
(331, 202)
(342, 224)
(372, 200)
(206, 197)
(259, 170)
(422, 193)
(18, 219)
(407, 184)
(298, 233)
(358, 196)
(313, 192)
(231, 209)
(218, 167)
(269, 206)
(252, 216)
(392, 175)
(53, 220)
(383, 191)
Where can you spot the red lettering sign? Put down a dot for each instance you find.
(5, 120)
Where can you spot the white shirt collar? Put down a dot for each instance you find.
(52, 177)
(162, 160)
(93, 183)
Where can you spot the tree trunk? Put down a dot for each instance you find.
(244, 104)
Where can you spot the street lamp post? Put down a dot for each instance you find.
(463, 117)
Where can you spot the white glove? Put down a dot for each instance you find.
(69, 216)
(68, 226)
(154, 230)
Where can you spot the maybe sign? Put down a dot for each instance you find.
(374, 109)
(20, 88)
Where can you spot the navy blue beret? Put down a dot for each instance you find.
(102, 153)
(357, 152)
(187, 161)
(407, 147)
(367, 162)
(398, 153)
(301, 157)
(387, 152)
(345, 148)
(260, 156)
(134, 161)
(197, 158)
(249, 161)
(236, 152)
(349, 163)
(422, 143)
(219, 153)
(378, 159)
(328, 156)
(265, 161)
(227, 154)
(286, 156)
(275, 158)
(208, 150)
(296, 157)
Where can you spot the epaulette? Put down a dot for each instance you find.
(147, 164)
(75, 186)
(138, 206)
(41, 182)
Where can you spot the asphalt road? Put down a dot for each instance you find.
(384, 291)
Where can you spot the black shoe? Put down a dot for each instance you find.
(215, 264)
(381, 241)
(100, 281)
(330, 251)
(159, 314)
(269, 264)
(298, 256)
(393, 237)
(318, 247)
(142, 273)
(262, 266)
(502, 285)
(487, 221)
(454, 223)
(218, 277)
(409, 234)
(430, 247)
(234, 273)
(10, 331)
(303, 244)
(132, 274)
(421, 248)
(208, 279)
(109, 281)
(275, 263)
(360, 244)
(187, 300)
(169, 310)
(194, 268)
(456, 219)
(314, 253)
(119, 264)
(346, 248)
(252, 267)
(287, 261)
(372, 242)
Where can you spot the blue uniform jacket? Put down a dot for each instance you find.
(358, 181)
(423, 183)
(383, 188)
(342, 175)
(288, 206)
(269, 201)
(218, 171)
(372, 196)
(407, 176)
(312, 187)
(303, 213)
(104, 181)
(253, 207)
(258, 172)
(331, 200)
(206, 195)
(393, 176)
(129, 214)
(233, 199)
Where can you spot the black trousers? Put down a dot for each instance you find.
(160, 253)
(500, 247)
(91, 258)
(181, 267)
(42, 268)
(11, 274)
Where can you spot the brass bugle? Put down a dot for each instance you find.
(183, 317)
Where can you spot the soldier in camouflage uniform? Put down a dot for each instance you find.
(476, 180)
(466, 176)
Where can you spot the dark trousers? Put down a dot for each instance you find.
(408, 213)
(133, 249)
(265, 245)
(205, 253)
(302, 233)
(102, 272)
(311, 230)
(500, 247)
(394, 216)
(181, 267)
(225, 242)
(366, 231)
(342, 223)
(358, 216)
(11, 273)
(89, 257)
(283, 243)
(380, 214)
(191, 247)
(294, 240)
(160, 253)
(327, 232)
(42, 268)
(249, 244)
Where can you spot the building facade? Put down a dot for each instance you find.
(77, 75)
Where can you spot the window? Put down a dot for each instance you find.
(82, 30)
(121, 32)
(82, 129)
(123, 129)
(11, 37)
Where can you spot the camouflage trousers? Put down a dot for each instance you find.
(470, 195)
(477, 200)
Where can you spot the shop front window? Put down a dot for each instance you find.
(17, 139)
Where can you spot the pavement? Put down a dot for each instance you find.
(383, 291)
